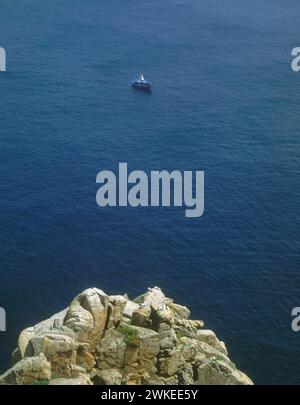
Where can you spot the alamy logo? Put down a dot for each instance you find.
(2, 60)
(296, 321)
(296, 60)
(2, 320)
(161, 188)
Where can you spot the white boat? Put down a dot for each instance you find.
(141, 83)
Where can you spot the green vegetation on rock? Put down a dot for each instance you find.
(41, 382)
(132, 337)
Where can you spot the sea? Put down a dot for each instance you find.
(225, 101)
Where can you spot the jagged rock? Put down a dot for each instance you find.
(59, 349)
(129, 309)
(113, 340)
(85, 359)
(171, 380)
(155, 299)
(111, 352)
(24, 348)
(81, 380)
(209, 337)
(218, 372)
(168, 366)
(15, 356)
(152, 379)
(167, 337)
(141, 317)
(118, 351)
(162, 316)
(117, 305)
(186, 376)
(75, 371)
(50, 337)
(215, 368)
(87, 316)
(23, 341)
(148, 347)
(187, 327)
(131, 357)
(28, 371)
(132, 379)
(144, 349)
(180, 311)
(107, 377)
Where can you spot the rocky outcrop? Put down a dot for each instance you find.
(28, 371)
(112, 340)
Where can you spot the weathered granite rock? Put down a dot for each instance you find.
(85, 359)
(141, 317)
(109, 376)
(155, 299)
(101, 339)
(180, 311)
(87, 316)
(81, 380)
(219, 372)
(111, 352)
(130, 307)
(28, 371)
(24, 347)
(209, 337)
(171, 365)
(148, 347)
(59, 349)
(187, 327)
(167, 337)
(186, 376)
(74, 371)
(117, 304)
(215, 368)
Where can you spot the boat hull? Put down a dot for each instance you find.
(141, 86)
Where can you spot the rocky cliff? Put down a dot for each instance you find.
(101, 339)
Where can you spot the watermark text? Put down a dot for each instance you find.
(296, 60)
(160, 188)
(296, 321)
(2, 320)
(2, 60)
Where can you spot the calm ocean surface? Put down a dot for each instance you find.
(225, 101)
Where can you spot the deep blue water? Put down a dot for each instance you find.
(225, 101)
